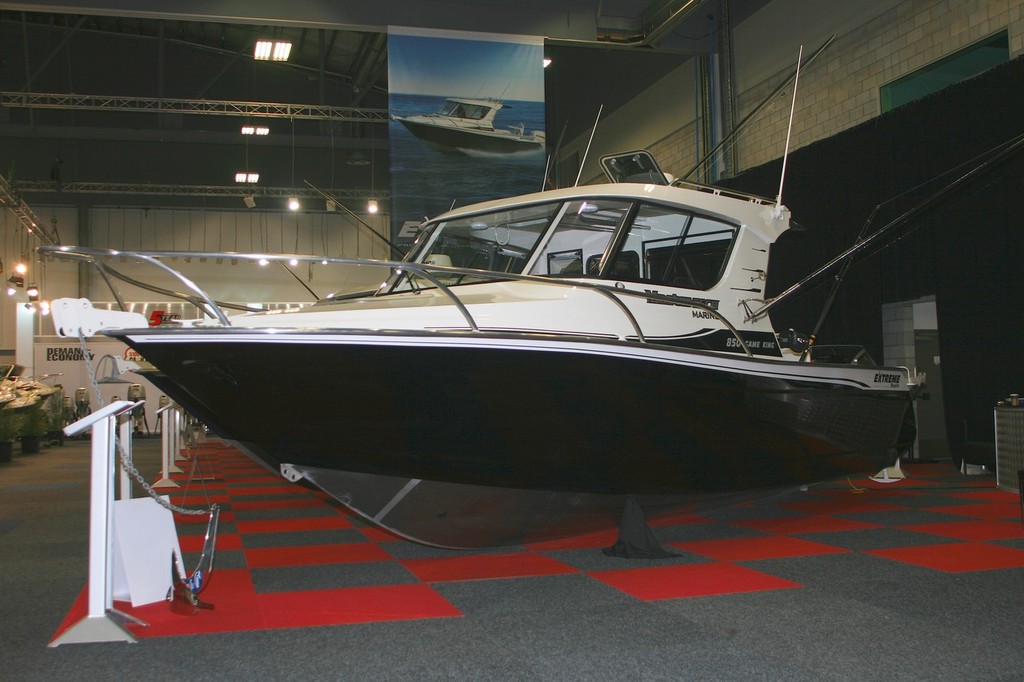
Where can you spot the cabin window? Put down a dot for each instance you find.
(679, 249)
(501, 241)
(581, 237)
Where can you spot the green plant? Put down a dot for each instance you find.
(37, 421)
(10, 425)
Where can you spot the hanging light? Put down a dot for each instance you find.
(371, 206)
(293, 203)
(33, 292)
(14, 282)
(272, 50)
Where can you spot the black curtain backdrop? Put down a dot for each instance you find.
(967, 251)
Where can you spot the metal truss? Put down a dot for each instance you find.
(28, 186)
(28, 219)
(167, 105)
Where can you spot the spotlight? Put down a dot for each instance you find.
(33, 292)
(293, 203)
(246, 176)
(272, 50)
(20, 268)
(249, 201)
(371, 206)
(14, 282)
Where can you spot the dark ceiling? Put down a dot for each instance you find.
(156, 59)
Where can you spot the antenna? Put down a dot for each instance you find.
(789, 132)
(587, 150)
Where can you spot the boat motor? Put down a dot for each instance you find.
(137, 392)
(81, 403)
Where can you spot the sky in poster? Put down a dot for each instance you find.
(421, 65)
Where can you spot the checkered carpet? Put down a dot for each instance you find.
(291, 557)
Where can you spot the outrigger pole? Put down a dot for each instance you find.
(999, 154)
(749, 118)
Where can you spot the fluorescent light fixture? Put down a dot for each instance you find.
(371, 206)
(293, 203)
(247, 177)
(272, 50)
(255, 130)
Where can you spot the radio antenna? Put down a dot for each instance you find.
(587, 150)
(789, 132)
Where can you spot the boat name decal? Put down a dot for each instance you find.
(887, 378)
(752, 344)
(66, 354)
(706, 302)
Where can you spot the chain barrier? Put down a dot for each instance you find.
(122, 455)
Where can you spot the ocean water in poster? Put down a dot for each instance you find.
(445, 86)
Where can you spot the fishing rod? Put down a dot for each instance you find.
(996, 156)
(363, 222)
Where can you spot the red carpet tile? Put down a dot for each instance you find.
(1001, 496)
(845, 504)
(238, 608)
(977, 531)
(349, 553)
(691, 580)
(958, 557)
(485, 567)
(805, 524)
(374, 534)
(605, 538)
(752, 549)
(283, 489)
(194, 543)
(294, 525)
(201, 519)
(992, 510)
(294, 503)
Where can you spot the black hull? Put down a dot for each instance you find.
(461, 138)
(556, 421)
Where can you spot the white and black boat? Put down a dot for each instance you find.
(531, 365)
(464, 123)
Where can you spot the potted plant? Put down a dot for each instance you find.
(36, 424)
(56, 410)
(10, 427)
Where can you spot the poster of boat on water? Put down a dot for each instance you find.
(466, 121)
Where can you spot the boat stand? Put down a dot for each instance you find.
(636, 539)
(99, 623)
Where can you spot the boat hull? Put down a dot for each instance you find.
(452, 138)
(579, 423)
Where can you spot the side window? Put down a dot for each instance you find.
(580, 238)
(679, 249)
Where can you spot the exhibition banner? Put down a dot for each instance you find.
(466, 121)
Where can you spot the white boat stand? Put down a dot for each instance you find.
(170, 443)
(98, 625)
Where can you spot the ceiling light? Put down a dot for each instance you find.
(14, 282)
(245, 176)
(249, 201)
(357, 158)
(329, 205)
(20, 268)
(272, 50)
(371, 206)
(255, 130)
(293, 203)
(33, 292)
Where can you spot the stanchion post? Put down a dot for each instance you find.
(97, 625)
(166, 447)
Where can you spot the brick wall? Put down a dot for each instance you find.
(841, 88)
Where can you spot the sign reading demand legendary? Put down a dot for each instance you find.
(467, 121)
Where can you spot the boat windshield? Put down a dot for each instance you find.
(463, 110)
(656, 244)
(502, 241)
